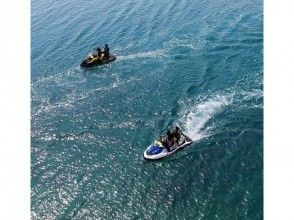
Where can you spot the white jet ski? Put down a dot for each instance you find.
(157, 150)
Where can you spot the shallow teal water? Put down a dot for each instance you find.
(197, 64)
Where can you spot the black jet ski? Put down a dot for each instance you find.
(93, 60)
(158, 150)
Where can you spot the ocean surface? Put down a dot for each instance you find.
(196, 64)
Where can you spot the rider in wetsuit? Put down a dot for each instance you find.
(99, 52)
(169, 140)
(106, 51)
(176, 135)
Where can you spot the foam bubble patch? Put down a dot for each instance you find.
(148, 54)
(195, 118)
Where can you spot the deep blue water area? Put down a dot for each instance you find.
(196, 64)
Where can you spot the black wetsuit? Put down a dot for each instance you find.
(165, 143)
(169, 142)
(106, 52)
(99, 53)
(176, 135)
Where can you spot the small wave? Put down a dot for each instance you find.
(251, 41)
(251, 99)
(71, 95)
(195, 118)
(254, 94)
(174, 43)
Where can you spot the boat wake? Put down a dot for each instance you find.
(163, 52)
(196, 116)
(149, 54)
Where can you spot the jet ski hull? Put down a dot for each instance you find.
(153, 152)
(98, 62)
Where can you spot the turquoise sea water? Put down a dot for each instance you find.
(196, 64)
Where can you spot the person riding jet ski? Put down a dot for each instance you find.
(98, 57)
(167, 144)
(176, 134)
(102, 55)
(99, 52)
(169, 140)
(106, 51)
(172, 138)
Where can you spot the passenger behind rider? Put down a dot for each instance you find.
(99, 52)
(106, 51)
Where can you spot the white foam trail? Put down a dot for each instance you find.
(168, 46)
(180, 43)
(195, 118)
(148, 54)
